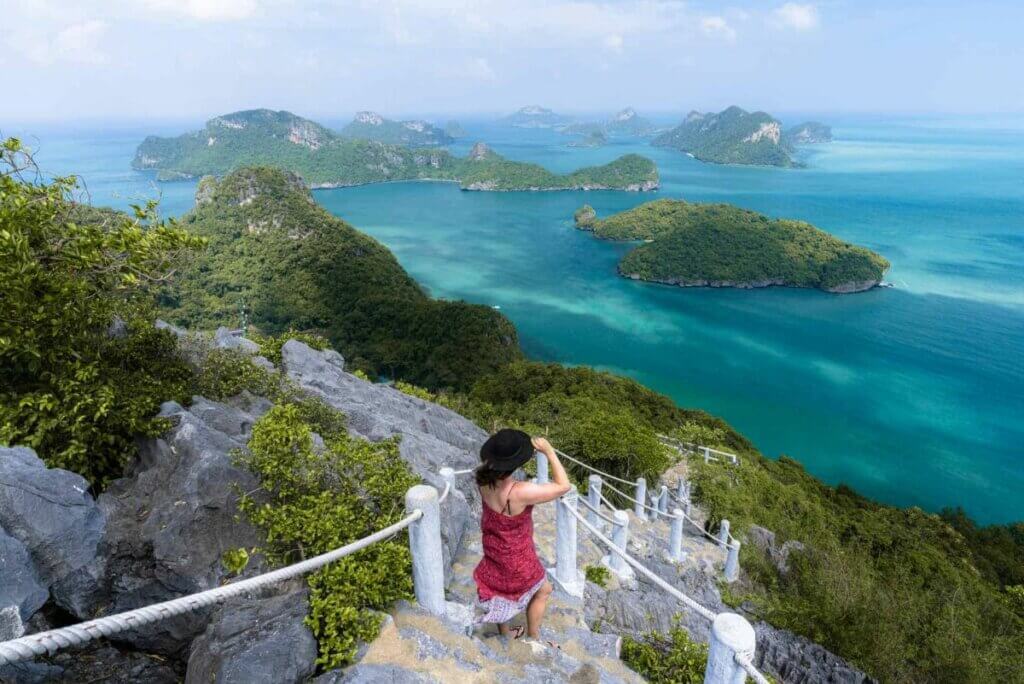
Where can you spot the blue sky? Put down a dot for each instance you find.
(171, 59)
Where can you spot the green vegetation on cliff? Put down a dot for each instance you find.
(262, 137)
(732, 136)
(288, 264)
(373, 126)
(723, 245)
(899, 592)
(487, 170)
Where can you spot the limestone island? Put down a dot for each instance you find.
(595, 139)
(720, 245)
(736, 136)
(535, 116)
(326, 159)
(373, 126)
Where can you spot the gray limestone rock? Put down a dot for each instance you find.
(261, 640)
(431, 435)
(224, 339)
(374, 674)
(173, 517)
(20, 583)
(52, 514)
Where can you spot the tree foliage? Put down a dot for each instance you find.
(82, 371)
(896, 591)
(314, 500)
(290, 265)
(671, 658)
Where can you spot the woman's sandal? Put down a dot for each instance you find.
(515, 632)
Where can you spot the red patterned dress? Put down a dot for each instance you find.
(510, 573)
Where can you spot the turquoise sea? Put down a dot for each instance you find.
(913, 395)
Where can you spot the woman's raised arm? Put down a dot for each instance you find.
(530, 493)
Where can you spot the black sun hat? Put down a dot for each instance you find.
(506, 450)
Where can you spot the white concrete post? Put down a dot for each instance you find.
(542, 468)
(707, 454)
(594, 497)
(663, 500)
(732, 562)
(641, 497)
(681, 490)
(448, 475)
(566, 572)
(675, 539)
(425, 544)
(730, 634)
(723, 533)
(620, 537)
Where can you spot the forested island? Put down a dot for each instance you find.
(720, 245)
(535, 116)
(594, 139)
(373, 126)
(736, 136)
(624, 123)
(325, 159)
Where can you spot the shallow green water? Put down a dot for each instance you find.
(912, 395)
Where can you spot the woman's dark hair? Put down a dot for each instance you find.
(486, 476)
(502, 453)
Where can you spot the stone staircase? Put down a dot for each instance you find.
(415, 646)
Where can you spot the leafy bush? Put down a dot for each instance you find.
(414, 391)
(598, 574)
(671, 659)
(310, 503)
(82, 371)
(893, 590)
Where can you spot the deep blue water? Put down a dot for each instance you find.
(912, 395)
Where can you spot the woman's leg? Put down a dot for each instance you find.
(535, 610)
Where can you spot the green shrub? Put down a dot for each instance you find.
(76, 394)
(895, 591)
(598, 574)
(414, 391)
(671, 659)
(310, 503)
(235, 560)
(223, 373)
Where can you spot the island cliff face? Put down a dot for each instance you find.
(718, 245)
(327, 160)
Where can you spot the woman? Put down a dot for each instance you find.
(510, 577)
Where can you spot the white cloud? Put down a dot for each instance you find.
(796, 16)
(205, 10)
(613, 42)
(718, 27)
(75, 44)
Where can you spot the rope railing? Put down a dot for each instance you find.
(595, 470)
(629, 498)
(597, 512)
(639, 567)
(744, 661)
(50, 641)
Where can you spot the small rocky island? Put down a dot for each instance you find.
(720, 245)
(736, 136)
(595, 139)
(326, 159)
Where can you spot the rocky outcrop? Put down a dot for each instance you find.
(263, 640)
(171, 519)
(479, 152)
(51, 514)
(21, 587)
(431, 435)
